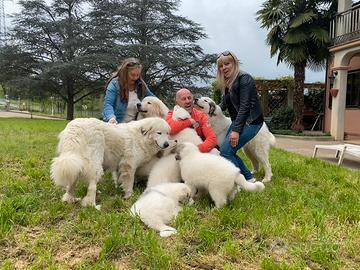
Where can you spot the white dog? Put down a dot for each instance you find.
(158, 205)
(212, 173)
(257, 150)
(153, 107)
(166, 169)
(87, 146)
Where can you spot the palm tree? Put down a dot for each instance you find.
(299, 35)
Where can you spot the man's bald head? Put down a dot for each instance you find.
(184, 98)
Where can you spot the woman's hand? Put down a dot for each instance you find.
(112, 121)
(234, 138)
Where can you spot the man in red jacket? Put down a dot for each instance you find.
(198, 121)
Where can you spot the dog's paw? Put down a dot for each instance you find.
(259, 186)
(266, 180)
(168, 232)
(86, 201)
(69, 198)
(191, 201)
(98, 207)
(127, 195)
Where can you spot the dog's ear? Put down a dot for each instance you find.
(212, 108)
(163, 110)
(145, 131)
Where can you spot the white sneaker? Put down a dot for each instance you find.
(252, 180)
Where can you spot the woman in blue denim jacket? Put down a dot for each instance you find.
(124, 90)
(240, 98)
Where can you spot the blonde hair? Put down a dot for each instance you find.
(122, 72)
(226, 57)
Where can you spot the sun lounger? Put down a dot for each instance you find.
(341, 150)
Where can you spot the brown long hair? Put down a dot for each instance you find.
(226, 57)
(123, 78)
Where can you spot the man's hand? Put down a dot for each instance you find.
(194, 123)
(234, 138)
(113, 121)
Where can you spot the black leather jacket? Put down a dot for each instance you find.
(244, 98)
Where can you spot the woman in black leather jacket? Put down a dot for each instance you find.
(240, 98)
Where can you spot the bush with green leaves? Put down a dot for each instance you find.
(282, 118)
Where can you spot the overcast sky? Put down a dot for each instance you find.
(231, 25)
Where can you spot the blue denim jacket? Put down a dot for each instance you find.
(114, 105)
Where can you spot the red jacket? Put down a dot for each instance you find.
(204, 129)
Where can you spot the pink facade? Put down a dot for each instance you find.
(352, 115)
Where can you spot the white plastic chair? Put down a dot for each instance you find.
(341, 149)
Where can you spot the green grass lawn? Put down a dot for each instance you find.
(308, 217)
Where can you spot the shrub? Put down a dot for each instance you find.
(282, 118)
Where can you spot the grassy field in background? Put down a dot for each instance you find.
(308, 217)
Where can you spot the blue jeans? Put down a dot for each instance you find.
(229, 152)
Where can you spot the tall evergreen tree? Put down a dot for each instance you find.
(72, 46)
(165, 43)
(299, 35)
(57, 37)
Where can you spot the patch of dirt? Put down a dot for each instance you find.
(279, 251)
(19, 248)
(13, 166)
(72, 255)
(123, 264)
(211, 262)
(16, 249)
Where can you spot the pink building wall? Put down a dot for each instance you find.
(352, 115)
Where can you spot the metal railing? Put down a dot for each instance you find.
(345, 27)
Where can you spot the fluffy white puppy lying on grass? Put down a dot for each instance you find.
(158, 205)
(213, 173)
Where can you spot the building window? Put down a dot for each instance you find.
(353, 89)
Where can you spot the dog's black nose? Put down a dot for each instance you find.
(166, 144)
(138, 105)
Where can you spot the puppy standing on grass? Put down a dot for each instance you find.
(213, 173)
(158, 205)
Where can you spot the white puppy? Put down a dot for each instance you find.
(154, 107)
(213, 173)
(166, 169)
(87, 146)
(158, 205)
(257, 150)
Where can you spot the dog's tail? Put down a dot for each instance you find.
(272, 139)
(66, 168)
(248, 186)
(271, 136)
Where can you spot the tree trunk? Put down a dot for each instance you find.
(70, 101)
(299, 76)
(70, 109)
